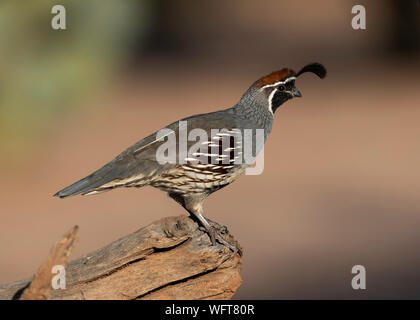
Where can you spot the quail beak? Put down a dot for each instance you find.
(296, 93)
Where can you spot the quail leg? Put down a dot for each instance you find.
(221, 229)
(215, 233)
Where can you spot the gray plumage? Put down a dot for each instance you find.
(191, 182)
(139, 160)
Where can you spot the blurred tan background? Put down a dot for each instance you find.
(341, 183)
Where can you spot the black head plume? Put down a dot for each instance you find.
(316, 68)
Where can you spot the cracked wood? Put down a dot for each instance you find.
(168, 259)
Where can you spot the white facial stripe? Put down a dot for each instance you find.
(278, 83)
(270, 98)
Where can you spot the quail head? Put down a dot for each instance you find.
(197, 169)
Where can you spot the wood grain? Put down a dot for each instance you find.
(171, 258)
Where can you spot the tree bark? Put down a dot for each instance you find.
(171, 258)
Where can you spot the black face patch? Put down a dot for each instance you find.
(279, 98)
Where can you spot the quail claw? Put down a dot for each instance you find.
(215, 235)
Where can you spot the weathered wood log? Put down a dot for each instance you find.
(40, 286)
(171, 258)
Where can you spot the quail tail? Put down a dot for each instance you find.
(88, 184)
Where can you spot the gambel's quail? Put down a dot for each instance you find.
(172, 160)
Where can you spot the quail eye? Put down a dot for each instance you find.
(282, 88)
